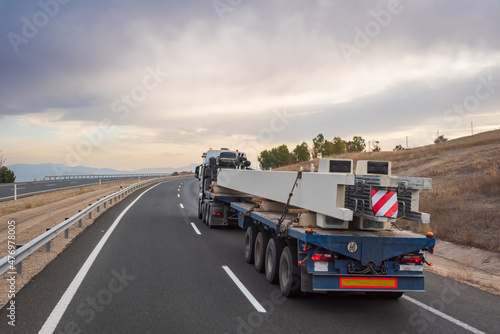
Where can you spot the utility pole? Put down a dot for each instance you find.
(471, 129)
(369, 146)
(406, 142)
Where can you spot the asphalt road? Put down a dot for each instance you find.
(32, 188)
(156, 274)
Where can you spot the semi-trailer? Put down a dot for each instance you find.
(333, 231)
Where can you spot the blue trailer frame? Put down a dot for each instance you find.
(369, 261)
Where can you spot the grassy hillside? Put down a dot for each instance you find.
(465, 200)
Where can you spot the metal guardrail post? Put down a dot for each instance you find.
(105, 205)
(19, 266)
(47, 245)
(66, 231)
(90, 213)
(98, 208)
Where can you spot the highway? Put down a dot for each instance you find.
(32, 188)
(157, 269)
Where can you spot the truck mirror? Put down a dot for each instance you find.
(197, 172)
(212, 161)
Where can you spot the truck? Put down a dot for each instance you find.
(214, 207)
(324, 235)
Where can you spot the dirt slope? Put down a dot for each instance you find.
(466, 186)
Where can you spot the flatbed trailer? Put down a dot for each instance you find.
(381, 263)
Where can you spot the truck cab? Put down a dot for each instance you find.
(211, 209)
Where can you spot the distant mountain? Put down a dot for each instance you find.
(31, 172)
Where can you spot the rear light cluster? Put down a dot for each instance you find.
(417, 259)
(322, 257)
(216, 213)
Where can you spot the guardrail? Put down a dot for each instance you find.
(102, 176)
(11, 261)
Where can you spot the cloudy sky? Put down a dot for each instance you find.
(136, 84)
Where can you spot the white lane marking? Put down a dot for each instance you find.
(443, 315)
(74, 182)
(53, 320)
(182, 206)
(179, 189)
(50, 185)
(19, 188)
(245, 291)
(178, 195)
(195, 229)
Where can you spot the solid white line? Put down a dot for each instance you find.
(50, 185)
(182, 206)
(195, 229)
(444, 316)
(245, 291)
(51, 323)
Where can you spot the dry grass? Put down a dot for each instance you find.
(466, 186)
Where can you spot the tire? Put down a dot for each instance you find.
(273, 254)
(200, 213)
(250, 243)
(203, 213)
(384, 295)
(259, 251)
(289, 274)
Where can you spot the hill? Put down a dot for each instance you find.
(466, 186)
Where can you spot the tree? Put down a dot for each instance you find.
(440, 139)
(301, 153)
(398, 148)
(356, 145)
(276, 157)
(6, 175)
(376, 146)
(266, 160)
(318, 144)
(175, 174)
(282, 155)
(338, 145)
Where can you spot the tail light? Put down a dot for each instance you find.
(411, 259)
(322, 257)
(216, 213)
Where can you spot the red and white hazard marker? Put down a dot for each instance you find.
(385, 203)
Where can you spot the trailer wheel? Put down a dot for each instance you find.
(384, 295)
(260, 251)
(289, 274)
(200, 211)
(250, 243)
(273, 254)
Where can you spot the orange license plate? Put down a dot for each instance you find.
(368, 283)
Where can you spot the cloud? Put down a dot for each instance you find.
(228, 77)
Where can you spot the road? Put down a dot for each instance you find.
(157, 273)
(32, 188)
